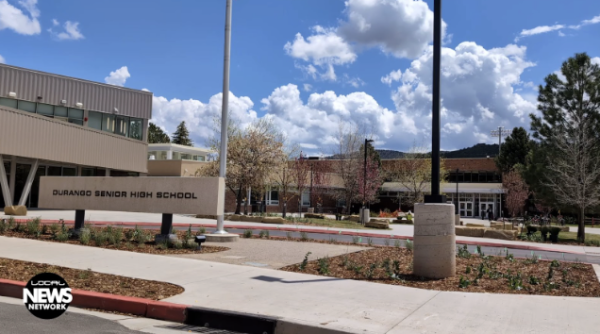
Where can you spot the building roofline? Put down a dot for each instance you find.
(75, 79)
(168, 146)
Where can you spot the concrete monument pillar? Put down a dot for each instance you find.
(434, 240)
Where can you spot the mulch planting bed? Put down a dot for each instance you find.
(90, 281)
(127, 239)
(491, 274)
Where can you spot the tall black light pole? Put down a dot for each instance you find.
(456, 208)
(367, 141)
(435, 196)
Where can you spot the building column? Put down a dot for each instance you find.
(4, 184)
(107, 172)
(78, 170)
(169, 155)
(29, 182)
(13, 178)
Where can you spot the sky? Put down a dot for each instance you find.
(312, 66)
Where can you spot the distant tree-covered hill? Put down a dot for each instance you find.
(476, 151)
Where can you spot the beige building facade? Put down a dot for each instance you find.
(52, 125)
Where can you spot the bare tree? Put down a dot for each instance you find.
(320, 177)
(347, 163)
(574, 176)
(251, 154)
(413, 172)
(283, 176)
(301, 172)
(517, 192)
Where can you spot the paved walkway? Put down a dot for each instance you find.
(353, 306)
(398, 230)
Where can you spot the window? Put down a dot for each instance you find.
(272, 197)
(27, 106)
(95, 120)
(122, 124)
(60, 113)
(68, 171)
(201, 158)
(306, 197)
(108, 123)
(12, 103)
(88, 172)
(135, 128)
(76, 116)
(45, 109)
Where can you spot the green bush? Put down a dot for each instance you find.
(593, 242)
(303, 236)
(463, 252)
(100, 238)
(201, 231)
(12, 223)
(3, 226)
(531, 229)
(305, 261)
(409, 245)
(53, 229)
(323, 266)
(248, 234)
(62, 236)
(85, 237)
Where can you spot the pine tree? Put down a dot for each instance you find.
(156, 135)
(182, 135)
(514, 150)
(567, 155)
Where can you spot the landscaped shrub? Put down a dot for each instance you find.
(323, 266)
(463, 252)
(85, 237)
(554, 231)
(545, 230)
(248, 234)
(3, 226)
(305, 261)
(531, 229)
(592, 242)
(409, 245)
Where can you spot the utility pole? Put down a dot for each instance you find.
(367, 141)
(224, 112)
(500, 133)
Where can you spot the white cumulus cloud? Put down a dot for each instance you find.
(307, 87)
(2, 59)
(24, 21)
(477, 89)
(71, 31)
(118, 77)
(402, 28)
(199, 116)
(391, 77)
(538, 30)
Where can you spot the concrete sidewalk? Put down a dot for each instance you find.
(352, 306)
(397, 230)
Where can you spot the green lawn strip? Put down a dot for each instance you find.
(572, 237)
(334, 223)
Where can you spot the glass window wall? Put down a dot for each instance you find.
(11, 103)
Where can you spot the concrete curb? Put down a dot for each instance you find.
(189, 315)
(103, 301)
(319, 231)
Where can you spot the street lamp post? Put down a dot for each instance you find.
(367, 141)
(435, 196)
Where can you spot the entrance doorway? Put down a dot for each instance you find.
(483, 208)
(466, 209)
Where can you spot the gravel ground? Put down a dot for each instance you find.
(272, 253)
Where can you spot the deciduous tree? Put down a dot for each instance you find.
(517, 192)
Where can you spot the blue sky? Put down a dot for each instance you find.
(496, 53)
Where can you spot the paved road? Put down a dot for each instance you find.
(16, 319)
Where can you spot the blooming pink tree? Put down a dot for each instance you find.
(517, 192)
